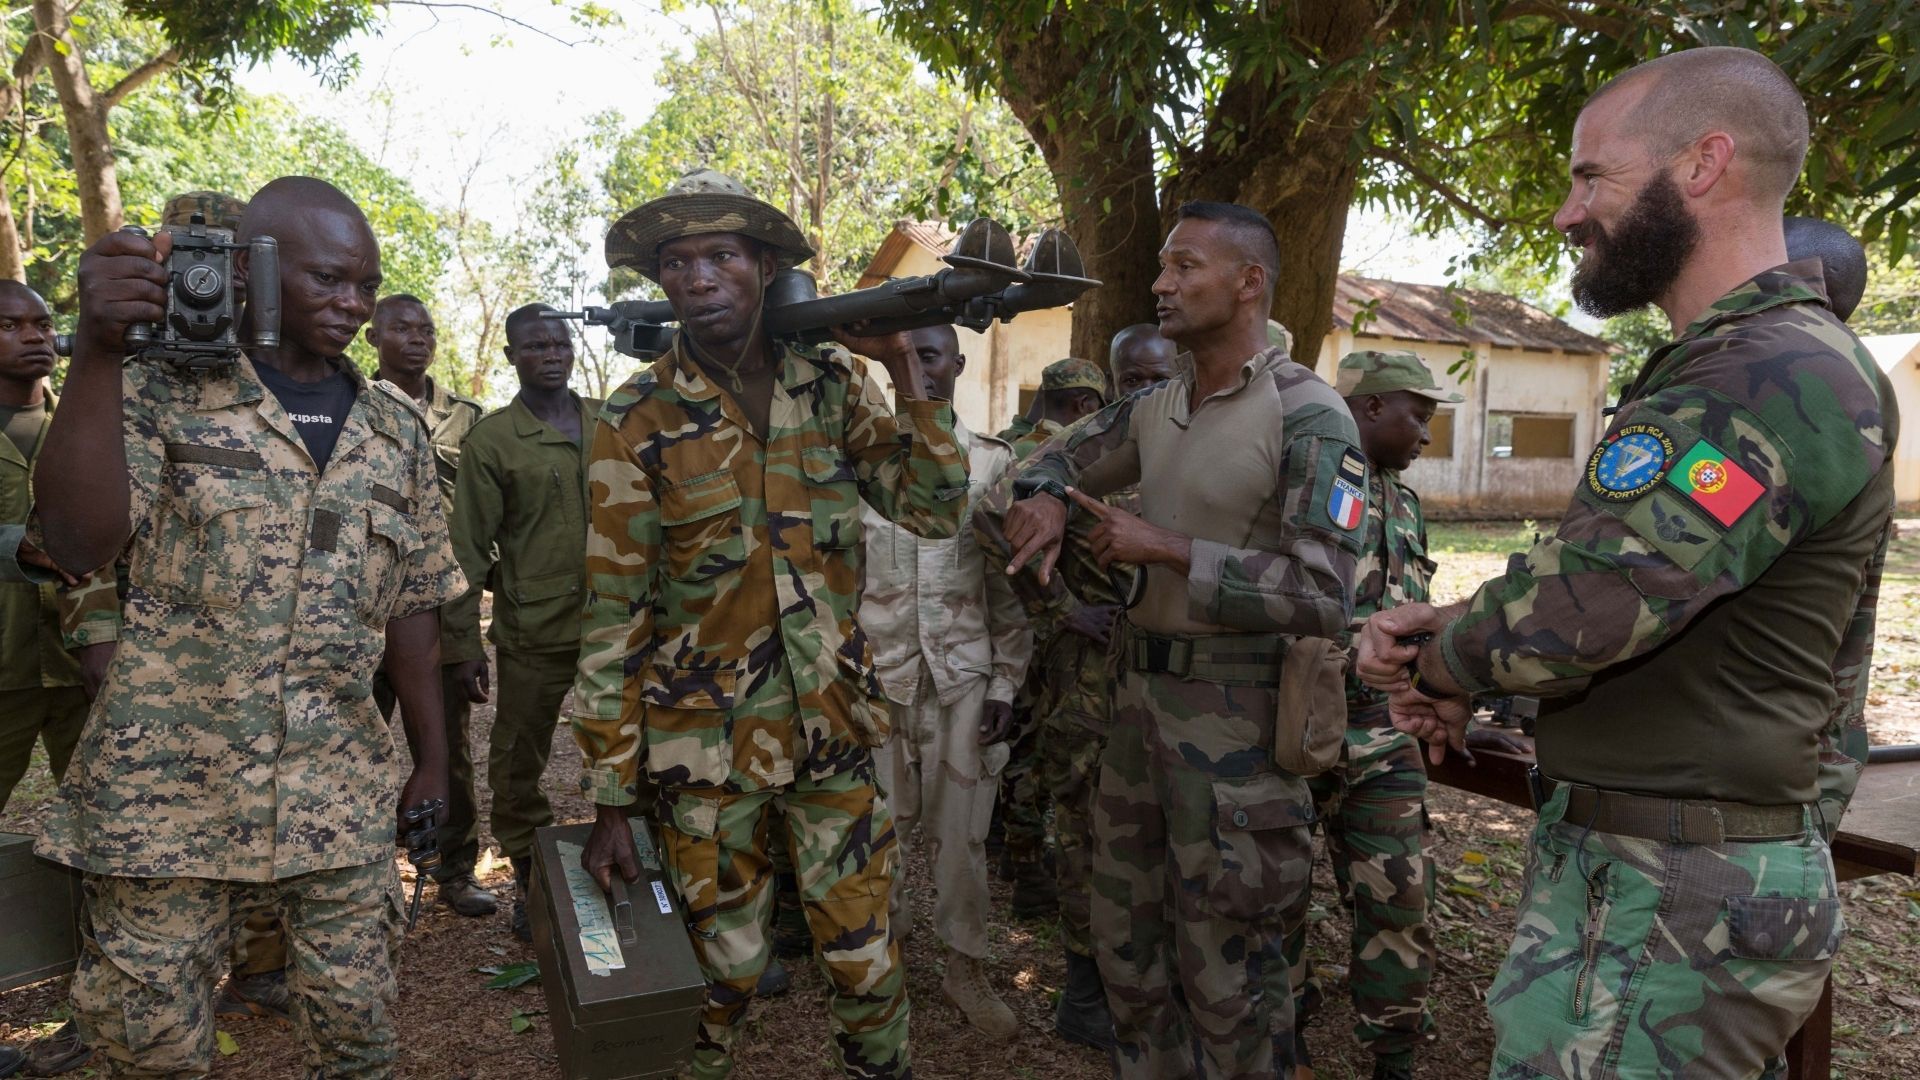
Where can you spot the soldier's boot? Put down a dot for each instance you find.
(1302, 1057)
(466, 896)
(966, 988)
(775, 979)
(792, 938)
(1393, 1067)
(1082, 1016)
(10, 1060)
(60, 1052)
(1035, 895)
(522, 873)
(262, 994)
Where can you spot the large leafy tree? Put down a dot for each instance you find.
(1456, 112)
(817, 110)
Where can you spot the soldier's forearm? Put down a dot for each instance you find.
(413, 667)
(85, 513)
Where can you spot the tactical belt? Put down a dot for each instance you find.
(1227, 659)
(1682, 821)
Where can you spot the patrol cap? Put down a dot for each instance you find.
(703, 201)
(1375, 371)
(1074, 373)
(220, 210)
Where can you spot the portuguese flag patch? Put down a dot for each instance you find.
(1721, 487)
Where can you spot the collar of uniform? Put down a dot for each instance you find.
(528, 426)
(1250, 368)
(11, 453)
(692, 383)
(1789, 283)
(241, 386)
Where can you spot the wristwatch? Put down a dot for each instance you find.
(1027, 487)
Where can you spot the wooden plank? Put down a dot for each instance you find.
(1810, 1051)
(1880, 834)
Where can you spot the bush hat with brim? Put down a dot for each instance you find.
(699, 203)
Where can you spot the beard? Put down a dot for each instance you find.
(1637, 262)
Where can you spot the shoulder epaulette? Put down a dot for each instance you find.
(632, 392)
(402, 397)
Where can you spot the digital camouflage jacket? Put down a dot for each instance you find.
(236, 736)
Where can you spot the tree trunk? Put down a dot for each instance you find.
(1103, 171)
(12, 256)
(97, 180)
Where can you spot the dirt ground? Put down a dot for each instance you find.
(451, 1026)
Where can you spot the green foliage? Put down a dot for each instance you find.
(818, 111)
(1461, 111)
(215, 36)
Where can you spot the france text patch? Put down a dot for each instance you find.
(1629, 463)
(1346, 504)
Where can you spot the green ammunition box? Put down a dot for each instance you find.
(42, 904)
(623, 989)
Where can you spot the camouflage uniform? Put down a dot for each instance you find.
(1681, 913)
(1371, 804)
(721, 655)
(1024, 793)
(234, 761)
(40, 693)
(948, 637)
(519, 525)
(1201, 850)
(449, 418)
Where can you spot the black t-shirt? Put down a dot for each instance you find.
(318, 409)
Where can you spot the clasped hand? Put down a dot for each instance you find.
(1387, 665)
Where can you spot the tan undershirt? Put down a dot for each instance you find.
(1211, 473)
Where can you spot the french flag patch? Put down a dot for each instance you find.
(1346, 504)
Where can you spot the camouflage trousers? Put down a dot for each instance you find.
(531, 687)
(940, 784)
(50, 715)
(459, 834)
(1634, 959)
(1200, 861)
(153, 948)
(841, 841)
(1022, 809)
(1370, 807)
(1069, 771)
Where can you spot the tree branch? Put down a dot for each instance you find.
(501, 15)
(138, 77)
(1440, 187)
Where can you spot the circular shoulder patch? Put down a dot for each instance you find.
(1630, 463)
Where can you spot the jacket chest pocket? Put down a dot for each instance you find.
(701, 528)
(393, 543)
(208, 539)
(1416, 569)
(833, 497)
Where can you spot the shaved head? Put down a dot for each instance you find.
(1248, 229)
(284, 206)
(1687, 95)
(14, 290)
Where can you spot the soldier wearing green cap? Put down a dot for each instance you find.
(721, 652)
(1370, 802)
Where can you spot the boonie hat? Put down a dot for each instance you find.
(1375, 371)
(702, 202)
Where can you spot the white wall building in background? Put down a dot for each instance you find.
(1514, 446)
(1899, 357)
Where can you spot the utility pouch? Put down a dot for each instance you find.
(1310, 722)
